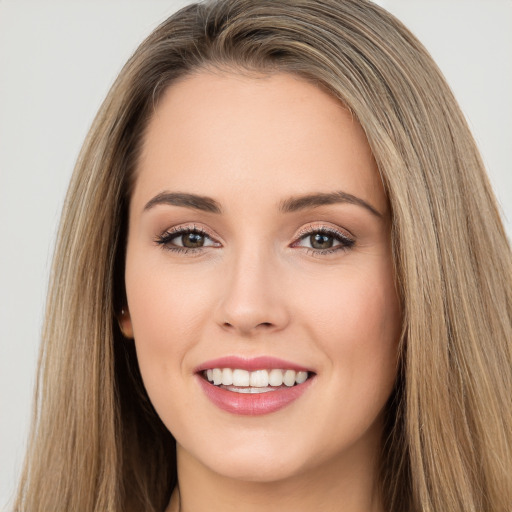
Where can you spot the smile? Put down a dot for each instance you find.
(253, 386)
(260, 381)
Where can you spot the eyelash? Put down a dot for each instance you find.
(165, 239)
(345, 243)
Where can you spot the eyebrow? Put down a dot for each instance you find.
(325, 198)
(202, 203)
(293, 204)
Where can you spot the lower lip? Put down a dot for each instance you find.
(253, 404)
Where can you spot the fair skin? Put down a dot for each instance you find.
(311, 284)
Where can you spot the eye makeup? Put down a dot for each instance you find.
(317, 240)
(323, 240)
(186, 239)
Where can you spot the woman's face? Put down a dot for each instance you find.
(259, 250)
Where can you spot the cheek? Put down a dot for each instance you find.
(358, 326)
(163, 304)
(358, 323)
(166, 314)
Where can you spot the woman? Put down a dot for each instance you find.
(281, 280)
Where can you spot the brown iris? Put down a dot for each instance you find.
(192, 240)
(321, 241)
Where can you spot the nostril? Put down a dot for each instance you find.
(246, 326)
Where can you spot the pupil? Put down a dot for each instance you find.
(192, 240)
(321, 241)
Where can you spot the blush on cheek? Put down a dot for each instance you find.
(365, 336)
(164, 316)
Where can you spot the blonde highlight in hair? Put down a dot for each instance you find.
(96, 442)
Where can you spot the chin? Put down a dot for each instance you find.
(261, 470)
(253, 461)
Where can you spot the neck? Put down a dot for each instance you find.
(349, 486)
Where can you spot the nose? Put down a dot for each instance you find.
(253, 296)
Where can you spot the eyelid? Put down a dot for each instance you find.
(314, 228)
(347, 241)
(165, 237)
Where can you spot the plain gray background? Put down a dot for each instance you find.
(57, 61)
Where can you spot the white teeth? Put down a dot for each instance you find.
(227, 376)
(275, 377)
(259, 379)
(240, 378)
(252, 391)
(301, 377)
(217, 376)
(289, 378)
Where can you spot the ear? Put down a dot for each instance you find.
(125, 323)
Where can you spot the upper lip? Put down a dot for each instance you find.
(251, 364)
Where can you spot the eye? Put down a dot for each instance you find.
(183, 239)
(324, 240)
(190, 240)
(321, 241)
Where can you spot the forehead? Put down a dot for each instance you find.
(220, 133)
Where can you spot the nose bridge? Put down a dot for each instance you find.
(252, 298)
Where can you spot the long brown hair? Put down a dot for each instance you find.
(96, 442)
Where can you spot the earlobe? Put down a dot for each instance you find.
(125, 323)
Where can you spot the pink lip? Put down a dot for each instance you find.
(252, 364)
(248, 404)
(251, 404)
